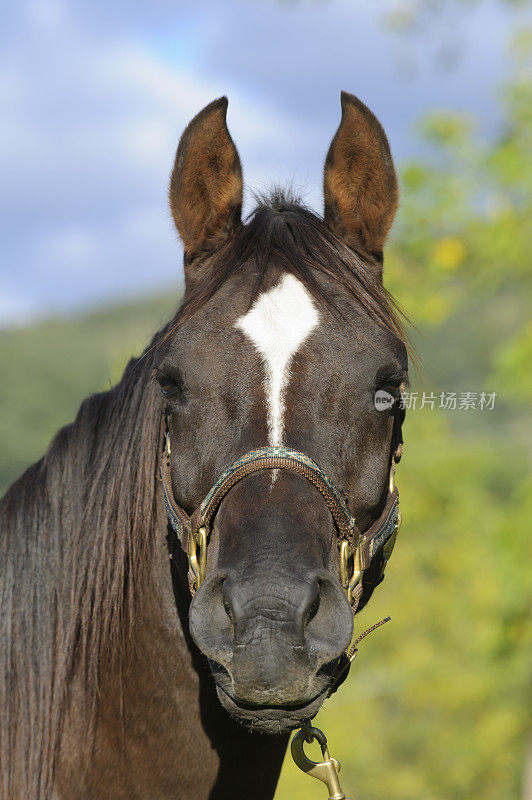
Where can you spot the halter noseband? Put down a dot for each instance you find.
(357, 550)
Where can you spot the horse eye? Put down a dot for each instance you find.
(391, 383)
(392, 387)
(171, 385)
(388, 385)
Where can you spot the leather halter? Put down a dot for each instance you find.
(357, 549)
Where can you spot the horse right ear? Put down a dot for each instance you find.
(359, 180)
(206, 182)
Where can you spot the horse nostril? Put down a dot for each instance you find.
(312, 611)
(228, 601)
(228, 610)
(329, 620)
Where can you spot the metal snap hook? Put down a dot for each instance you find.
(326, 770)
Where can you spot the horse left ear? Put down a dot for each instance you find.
(360, 184)
(206, 182)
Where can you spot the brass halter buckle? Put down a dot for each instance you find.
(326, 770)
(197, 555)
(350, 583)
(351, 566)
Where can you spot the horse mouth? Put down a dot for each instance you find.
(272, 719)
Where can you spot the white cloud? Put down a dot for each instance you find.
(87, 152)
(94, 96)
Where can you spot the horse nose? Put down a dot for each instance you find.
(272, 634)
(273, 602)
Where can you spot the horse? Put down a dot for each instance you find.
(180, 569)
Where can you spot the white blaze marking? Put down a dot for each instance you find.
(277, 324)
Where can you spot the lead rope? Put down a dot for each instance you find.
(351, 654)
(328, 768)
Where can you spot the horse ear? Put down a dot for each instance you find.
(206, 182)
(360, 184)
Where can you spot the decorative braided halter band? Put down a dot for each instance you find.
(357, 550)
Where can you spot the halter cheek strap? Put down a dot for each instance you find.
(357, 550)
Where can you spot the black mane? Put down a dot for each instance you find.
(75, 530)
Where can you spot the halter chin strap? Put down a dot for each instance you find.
(357, 550)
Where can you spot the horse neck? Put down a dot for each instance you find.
(158, 709)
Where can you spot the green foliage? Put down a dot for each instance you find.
(48, 368)
(438, 704)
(410, 16)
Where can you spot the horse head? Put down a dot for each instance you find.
(284, 341)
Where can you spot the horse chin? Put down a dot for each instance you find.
(270, 719)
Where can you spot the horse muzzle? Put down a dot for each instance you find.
(272, 643)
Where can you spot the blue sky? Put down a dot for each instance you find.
(95, 94)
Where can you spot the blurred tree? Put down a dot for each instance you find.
(464, 239)
(409, 15)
